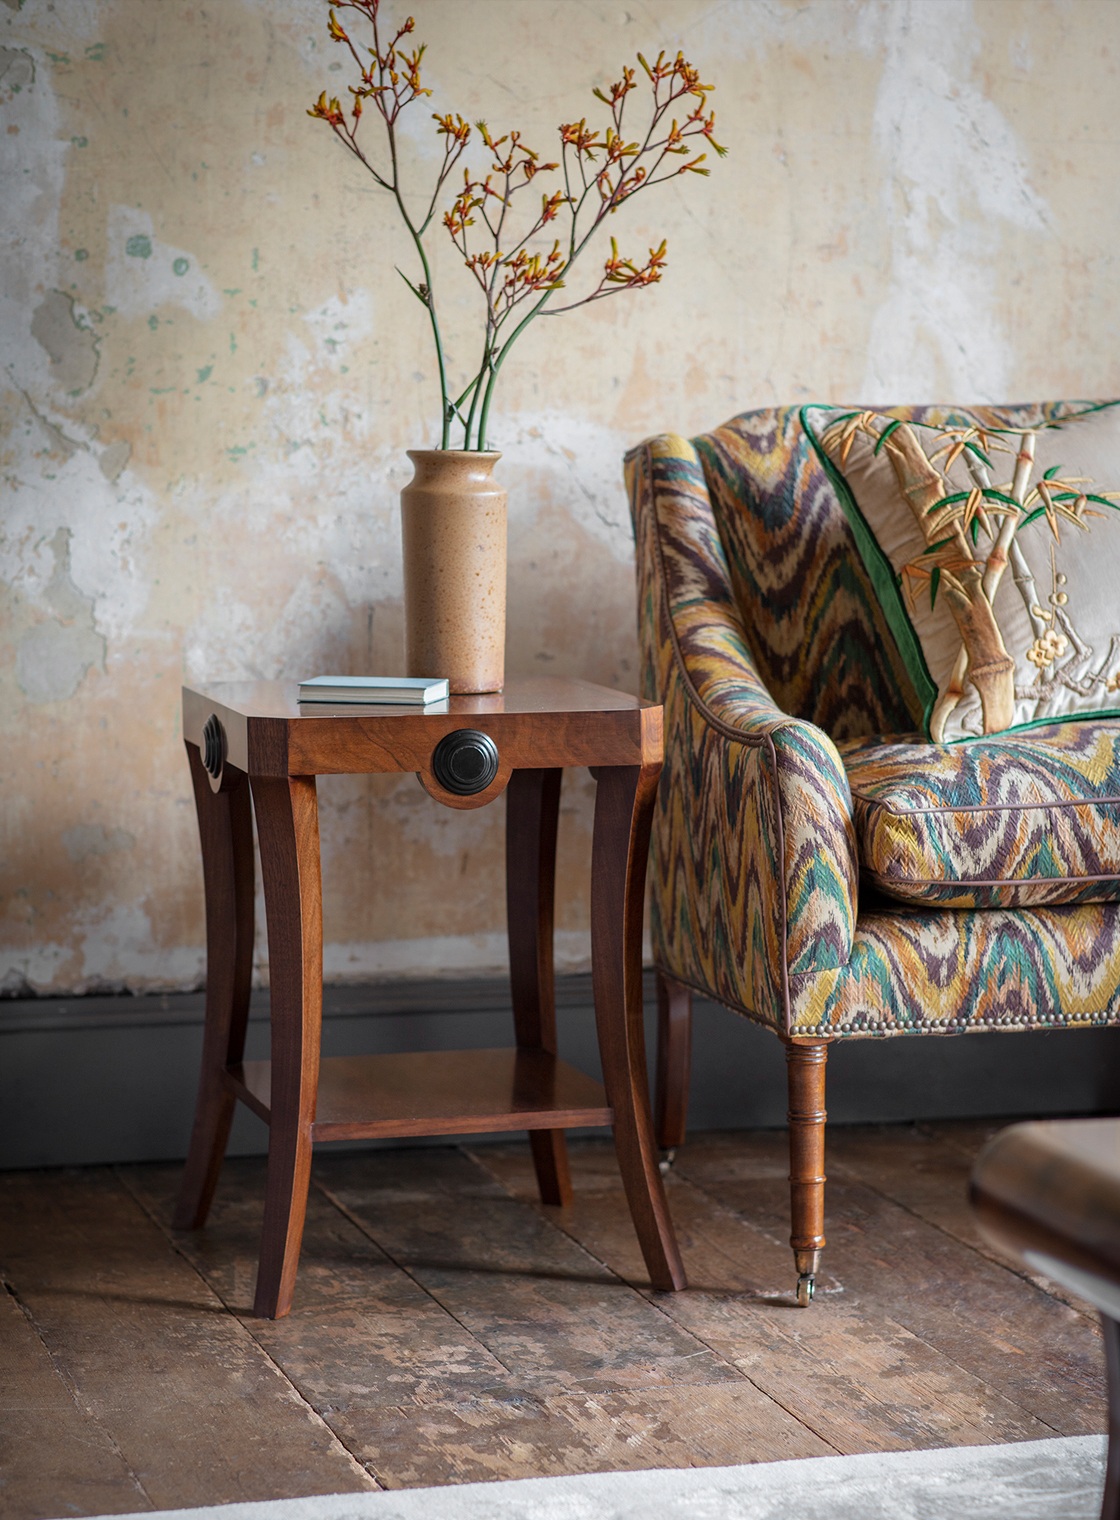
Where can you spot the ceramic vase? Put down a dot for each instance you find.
(453, 528)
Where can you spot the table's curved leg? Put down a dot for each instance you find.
(288, 832)
(674, 1060)
(623, 814)
(1110, 1504)
(532, 809)
(226, 832)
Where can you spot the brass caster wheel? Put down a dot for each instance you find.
(664, 1166)
(805, 1285)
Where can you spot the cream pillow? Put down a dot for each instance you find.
(995, 551)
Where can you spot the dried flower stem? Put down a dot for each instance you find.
(600, 170)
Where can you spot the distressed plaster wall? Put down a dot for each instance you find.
(211, 373)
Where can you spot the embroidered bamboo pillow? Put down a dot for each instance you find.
(994, 548)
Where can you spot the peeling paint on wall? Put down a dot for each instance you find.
(70, 344)
(54, 655)
(17, 69)
(211, 372)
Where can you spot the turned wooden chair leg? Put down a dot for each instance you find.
(532, 810)
(806, 1074)
(674, 1062)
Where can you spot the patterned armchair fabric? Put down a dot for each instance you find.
(791, 750)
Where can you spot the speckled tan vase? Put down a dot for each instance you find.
(453, 525)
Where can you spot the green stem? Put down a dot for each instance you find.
(499, 360)
(444, 408)
(484, 367)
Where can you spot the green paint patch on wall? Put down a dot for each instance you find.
(205, 373)
(181, 266)
(139, 246)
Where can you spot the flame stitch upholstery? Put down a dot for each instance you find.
(755, 867)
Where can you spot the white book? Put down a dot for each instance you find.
(411, 691)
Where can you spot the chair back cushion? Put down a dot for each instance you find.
(816, 629)
(1016, 820)
(993, 551)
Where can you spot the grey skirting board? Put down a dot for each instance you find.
(112, 1079)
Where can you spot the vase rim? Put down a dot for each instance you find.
(465, 453)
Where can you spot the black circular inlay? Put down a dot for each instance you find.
(465, 762)
(213, 746)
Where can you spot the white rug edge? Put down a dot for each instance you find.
(664, 1483)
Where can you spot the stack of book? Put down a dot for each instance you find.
(401, 691)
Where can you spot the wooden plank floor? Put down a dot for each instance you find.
(447, 1328)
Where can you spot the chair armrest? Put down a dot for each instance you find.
(755, 870)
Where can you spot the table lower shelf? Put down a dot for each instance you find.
(444, 1092)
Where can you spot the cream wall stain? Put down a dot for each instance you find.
(87, 839)
(143, 273)
(210, 375)
(955, 190)
(55, 653)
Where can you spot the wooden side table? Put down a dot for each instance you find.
(254, 741)
(1048, 1194)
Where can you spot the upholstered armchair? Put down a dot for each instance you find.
(818, 865)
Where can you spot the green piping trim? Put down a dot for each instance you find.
(966, 417)
(1088, 715)
(881, 571)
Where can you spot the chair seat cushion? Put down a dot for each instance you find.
(1008, 821)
